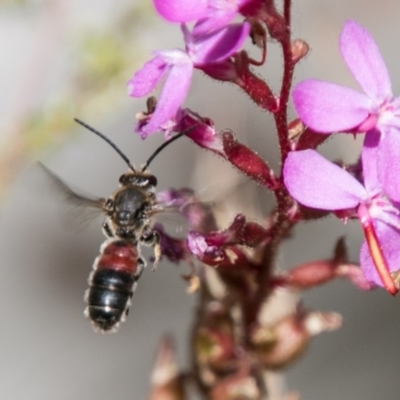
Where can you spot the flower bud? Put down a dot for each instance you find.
(166, 381)
(219, 248)
(277, 27)
(280, 345)
(203, 132)
(354, 274)
(254, 86)
(310, 140)
(214, 348)
(319, 272)
(238, 387)
(248, 162)
(309, 274)
(299, 49)
(224, 71)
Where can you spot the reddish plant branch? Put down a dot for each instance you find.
(287, 7)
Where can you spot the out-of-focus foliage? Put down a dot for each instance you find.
(99, 60)
(14, 2)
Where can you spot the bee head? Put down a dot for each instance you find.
(141, 179)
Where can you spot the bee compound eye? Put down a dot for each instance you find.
(152, 180)
(123, 179)
(147, 181)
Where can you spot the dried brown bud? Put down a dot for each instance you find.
(299, 49)
(295, 128)
(258, 34)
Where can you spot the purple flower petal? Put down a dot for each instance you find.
(218, 19)
(182, 10)
(218, 45)
(172, 248)
(389, 163)
(316, 182)
(172, 96)
(389, 238)
(147, 78)
(394, 105)
(199, 246)
(369, 161)
(365, 61)
(326, 107)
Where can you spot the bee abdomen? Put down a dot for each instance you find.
(109, 278)
(111, 284)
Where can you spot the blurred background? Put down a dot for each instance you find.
(66, 59)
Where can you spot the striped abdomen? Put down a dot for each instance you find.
(112, 284)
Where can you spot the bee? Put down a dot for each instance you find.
(128, 224)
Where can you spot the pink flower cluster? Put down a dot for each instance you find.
(210, 43)
(373, 196)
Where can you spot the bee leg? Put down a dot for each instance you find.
(153, 239)
(157, 252)
(141, 265)
(107, 230)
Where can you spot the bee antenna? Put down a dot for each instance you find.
(114, 146)
(165, 144)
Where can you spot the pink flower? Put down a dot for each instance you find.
(203, 131)
(210, 14)
(212, 247)
(316, 182)
(201, 50)
(326, 107)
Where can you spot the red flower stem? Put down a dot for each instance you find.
(282, 224)
(281, 116)
(280, 229)
(287, 11)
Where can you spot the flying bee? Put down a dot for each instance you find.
(128, 224)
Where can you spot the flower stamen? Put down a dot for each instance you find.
(376, 251)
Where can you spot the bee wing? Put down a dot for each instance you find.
(170, 217)
(193, 215)
(82, 209)
(200, 215)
